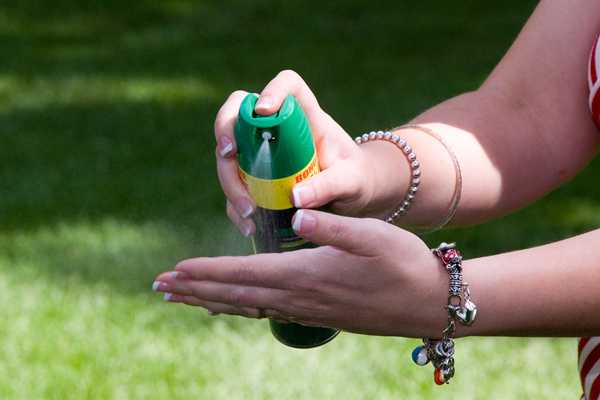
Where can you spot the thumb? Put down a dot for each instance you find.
(331, 184)
(362, 236)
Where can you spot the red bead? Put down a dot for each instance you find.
(438, 377)
(449, 255)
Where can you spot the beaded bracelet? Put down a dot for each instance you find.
(414, 164)
(460, 308)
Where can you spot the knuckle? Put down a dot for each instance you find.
(337, 231)
(290, 74)
(236, 297)
(245, 274)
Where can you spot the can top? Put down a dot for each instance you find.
(274, 146)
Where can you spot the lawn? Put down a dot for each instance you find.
(107, 177)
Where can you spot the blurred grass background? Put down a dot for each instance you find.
(107, 177)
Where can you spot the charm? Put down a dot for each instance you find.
(467, 314)
(438, 377)
(419, 355)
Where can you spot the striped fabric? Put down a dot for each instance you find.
(589, 367)
(594, 82)
(589, 348)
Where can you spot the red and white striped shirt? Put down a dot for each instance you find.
(589, 347)
(589, 367)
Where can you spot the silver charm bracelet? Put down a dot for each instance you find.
(414, 165)
(460, 309)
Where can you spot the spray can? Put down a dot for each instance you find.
(275, 152)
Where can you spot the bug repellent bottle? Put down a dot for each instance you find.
(275, 152)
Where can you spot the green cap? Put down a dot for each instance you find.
(274, 146)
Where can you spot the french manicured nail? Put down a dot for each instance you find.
(303, 222)
(225, 146)
(246, 230)
(156, 285)
(245, 208)
(264, 102)
(174, 274)
(303, 195)
(168, 296)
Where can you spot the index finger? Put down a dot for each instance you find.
(272, 270)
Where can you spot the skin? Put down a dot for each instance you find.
(526, 131)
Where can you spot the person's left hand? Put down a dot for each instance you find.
(367, 277)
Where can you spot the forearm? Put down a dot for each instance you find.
(523, 133)
(551, 290)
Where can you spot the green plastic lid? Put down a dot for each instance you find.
(274, 146)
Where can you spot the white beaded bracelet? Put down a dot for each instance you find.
(412, 161)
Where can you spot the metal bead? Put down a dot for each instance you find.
(380, 135)
(401, 142)
(406, 204)
(358, 140)
(395, 138)
(402, 210)
(416, 181)
(372, 135)
(410, 197)
(407, 149)
(415, 164)
(387, 135)
(416, 172)
(413, 189)
(412, 156)
(365, 137)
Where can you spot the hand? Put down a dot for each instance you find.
(344, 181)
(368, 277)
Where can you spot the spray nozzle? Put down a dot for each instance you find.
(268, 136)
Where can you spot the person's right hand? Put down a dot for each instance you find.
(344, 181)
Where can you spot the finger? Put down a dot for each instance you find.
(275, 270)
(227, 165)
(285, 83)
(234, 189)
(245, 225)
(215, 308)
(225, 123)
(361, 236)
(334, 183)
(236, 296)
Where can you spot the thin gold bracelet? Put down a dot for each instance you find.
(458, 182)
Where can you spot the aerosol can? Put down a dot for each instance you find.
(275, 152)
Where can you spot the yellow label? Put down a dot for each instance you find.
(276, 194)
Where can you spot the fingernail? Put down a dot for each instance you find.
(303, 195)
(168, 296)
(303, 222)
(244, 207)
(174, 274)
(246, 230)
(225, 146)
(156, 285)
(264, 102)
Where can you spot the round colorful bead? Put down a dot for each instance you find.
(419, 355)
(438, 377)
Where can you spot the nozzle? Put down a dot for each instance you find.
(266, 135)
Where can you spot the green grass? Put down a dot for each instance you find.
(107, 177)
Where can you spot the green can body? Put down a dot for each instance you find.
(275, 152)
